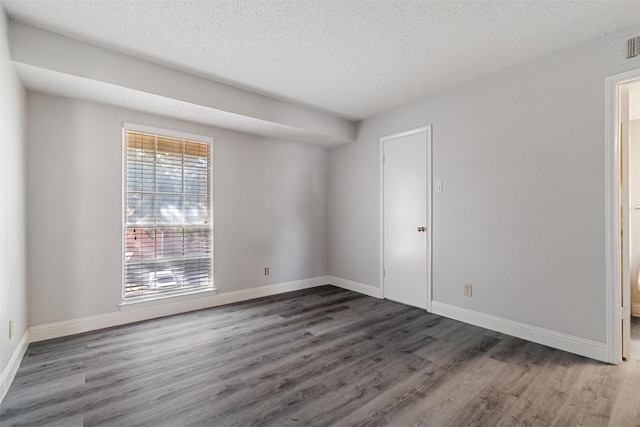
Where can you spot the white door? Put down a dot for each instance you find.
(405, 217)
(617, 214)
(629, 117)
(626, 242)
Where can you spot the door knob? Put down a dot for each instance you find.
(421, 229)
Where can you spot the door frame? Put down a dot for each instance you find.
(613, 212)
(427, 129)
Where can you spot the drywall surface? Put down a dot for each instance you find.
(13, 282)
(521, 217)
(270, 207)
(97, 70)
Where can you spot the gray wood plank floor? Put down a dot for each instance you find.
(319, 357)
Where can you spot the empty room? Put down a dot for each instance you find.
(319, 213)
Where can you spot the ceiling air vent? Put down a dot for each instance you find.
(631, 48)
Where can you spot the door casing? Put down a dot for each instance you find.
(615, 216)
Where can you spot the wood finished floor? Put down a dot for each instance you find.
(318, 357)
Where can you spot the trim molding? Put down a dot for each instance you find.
(613, 254)
(146, 310)
(141, 311)
(11, 368)
(350, 285)
(572, 344)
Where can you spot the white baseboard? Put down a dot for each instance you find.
(10, 369)
(572, 344)
(137, 312)
(361, 288)
(635, 310)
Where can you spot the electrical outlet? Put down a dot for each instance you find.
(468, 289)
(10, 329)
(266, 271)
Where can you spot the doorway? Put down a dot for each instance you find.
(405, 185)
(629, 130)
(622, 189)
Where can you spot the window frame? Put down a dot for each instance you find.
(168, 133)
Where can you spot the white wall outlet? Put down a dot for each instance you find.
(266, 271)
(468, 289)
(10, 329)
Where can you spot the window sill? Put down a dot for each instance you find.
(136, 304)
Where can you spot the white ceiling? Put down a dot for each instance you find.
(352, 58)
(65, 85)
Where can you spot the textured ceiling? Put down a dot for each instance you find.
(352, 58)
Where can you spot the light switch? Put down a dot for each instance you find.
(438, 186)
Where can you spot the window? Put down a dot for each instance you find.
(168, 227)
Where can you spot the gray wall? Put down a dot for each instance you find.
(102, 79)
(269, 207)
(13, 291)
(521, 157)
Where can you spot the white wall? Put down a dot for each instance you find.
(269, 207)
(521, 157)
(51, 63)
(13, 292)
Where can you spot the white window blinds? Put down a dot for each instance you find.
(168, 229)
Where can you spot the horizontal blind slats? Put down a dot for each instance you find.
(168, 232)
